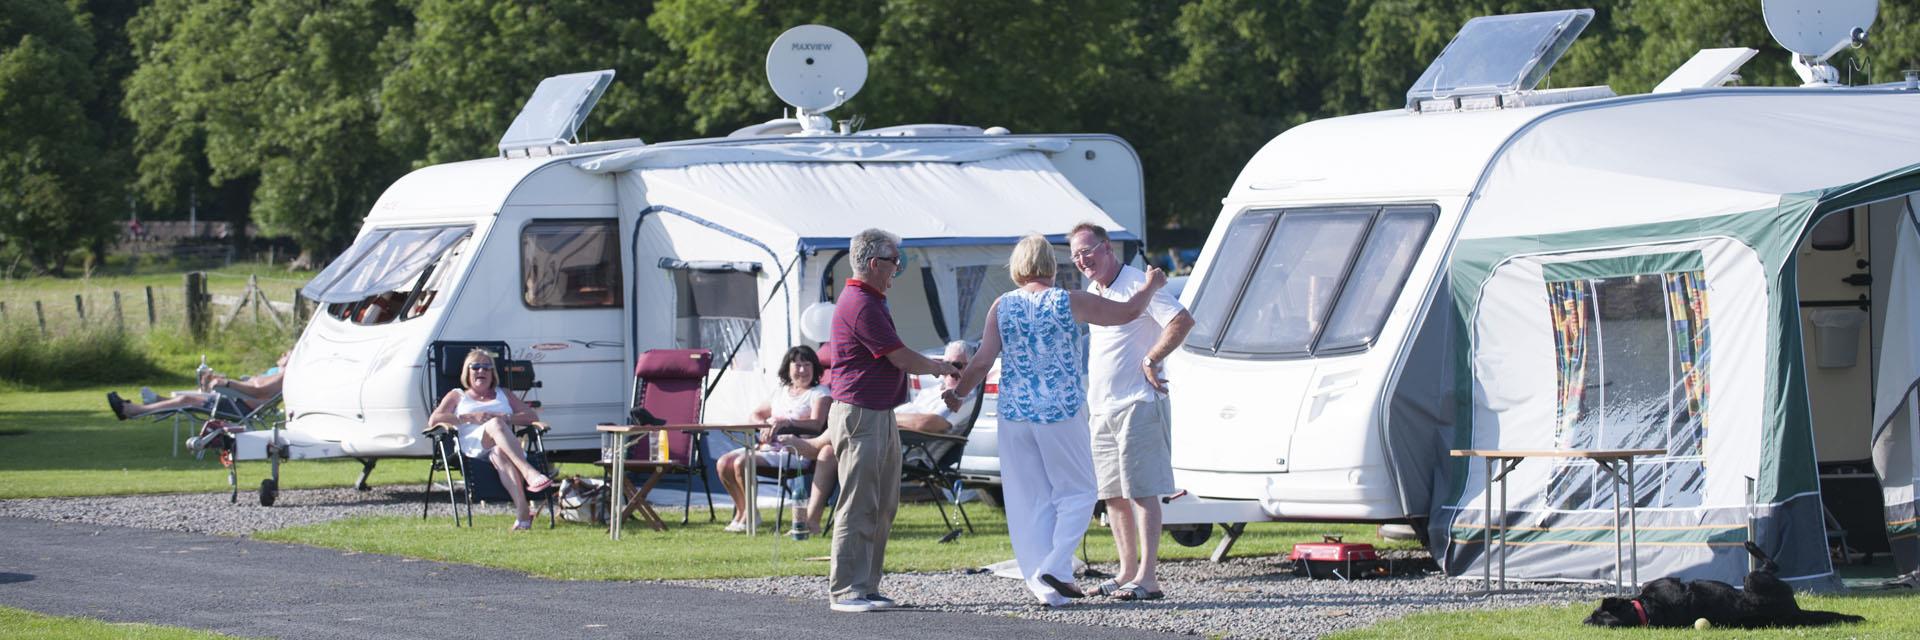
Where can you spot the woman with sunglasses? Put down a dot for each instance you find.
(485, 415)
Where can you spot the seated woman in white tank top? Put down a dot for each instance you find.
(797, 407)
(485, 413)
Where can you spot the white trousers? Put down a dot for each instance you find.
(1046, 473)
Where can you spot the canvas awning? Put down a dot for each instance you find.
(382, 260)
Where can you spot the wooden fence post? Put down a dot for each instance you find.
(42, 315)
(198, 312)
(3, 310)
(119, 317)
(80, 306)
(150, 314)
(253, 290)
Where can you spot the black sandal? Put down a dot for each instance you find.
(1063, 587)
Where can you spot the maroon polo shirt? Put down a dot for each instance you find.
(863, 335)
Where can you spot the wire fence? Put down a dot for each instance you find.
(140, 305)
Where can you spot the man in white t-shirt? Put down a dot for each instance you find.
(1127, 410)
(929, 411)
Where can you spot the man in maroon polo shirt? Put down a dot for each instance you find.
(869, 379)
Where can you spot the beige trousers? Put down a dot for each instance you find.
(868, 445)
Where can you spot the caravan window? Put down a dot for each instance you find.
(389, 275)
(1299, 282)
(717, 307)
(570, 264)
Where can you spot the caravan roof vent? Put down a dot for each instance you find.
(557, 109)
(815, 68)
(1498, 55)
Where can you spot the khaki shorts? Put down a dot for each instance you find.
(1133, 451)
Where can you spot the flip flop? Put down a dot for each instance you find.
(1106, 589)
(1129, 592)
(539, 483)
(522, 525)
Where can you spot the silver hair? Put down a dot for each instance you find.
(869, 244)
(962, 346)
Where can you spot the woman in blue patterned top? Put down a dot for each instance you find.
(1046, 455)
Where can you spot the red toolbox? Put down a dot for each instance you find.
(1332, 558)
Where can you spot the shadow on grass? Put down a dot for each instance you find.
(80, 440)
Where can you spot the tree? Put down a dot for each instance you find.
(53, 187)
(471, 64)
(279, 91)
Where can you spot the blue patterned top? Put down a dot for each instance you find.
(1040, 378)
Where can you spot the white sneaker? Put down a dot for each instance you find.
(852, 604)
(735, 527)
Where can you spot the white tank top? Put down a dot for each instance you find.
(498, 405)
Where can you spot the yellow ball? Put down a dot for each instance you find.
(1702, 623)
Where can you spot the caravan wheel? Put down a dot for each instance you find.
(1190, 535)
(269, 491)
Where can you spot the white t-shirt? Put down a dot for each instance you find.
(928, 401)
(792, 407)
(1114, 354)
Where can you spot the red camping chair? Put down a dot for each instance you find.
(669, 390)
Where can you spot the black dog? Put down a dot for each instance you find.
(1667, 602)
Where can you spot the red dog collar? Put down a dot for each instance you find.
(1641, 611)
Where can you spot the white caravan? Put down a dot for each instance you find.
(1499, 267)
(580, 256)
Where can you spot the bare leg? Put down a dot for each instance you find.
(515, 483)
(503, 442)
(1120, 518)
(826, 476)
(184, 401)
(730, 479)
(1148, 576)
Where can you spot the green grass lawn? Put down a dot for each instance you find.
(17, 623)
(702, 550)
(1888, 614)
(67, 443)
(55, 295)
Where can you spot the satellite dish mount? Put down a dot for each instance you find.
(815, 68)
(1815, 30)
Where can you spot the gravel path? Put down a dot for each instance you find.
(1240, 598)
(211, 513)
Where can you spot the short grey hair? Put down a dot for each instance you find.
(966, 350)
(869, 244)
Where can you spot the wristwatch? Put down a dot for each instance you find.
(1150, 363)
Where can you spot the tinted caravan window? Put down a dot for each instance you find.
(570, 264)
(1300, 282)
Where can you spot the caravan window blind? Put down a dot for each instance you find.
(570, 264)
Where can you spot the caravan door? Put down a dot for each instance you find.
(1836, 334)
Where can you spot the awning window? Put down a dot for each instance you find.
(381, 261)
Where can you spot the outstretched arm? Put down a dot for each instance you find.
(1094, 309)
(911, 361)
(983, 359)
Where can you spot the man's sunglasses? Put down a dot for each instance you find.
(897, 267)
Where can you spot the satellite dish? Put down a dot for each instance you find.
(815, 68)
(1817, 29)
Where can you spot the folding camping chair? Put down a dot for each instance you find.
(933, 461)
(668, 390)
(217, 431)
(479, 479)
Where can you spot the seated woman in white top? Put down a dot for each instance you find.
(485, 413)
(798, 407)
